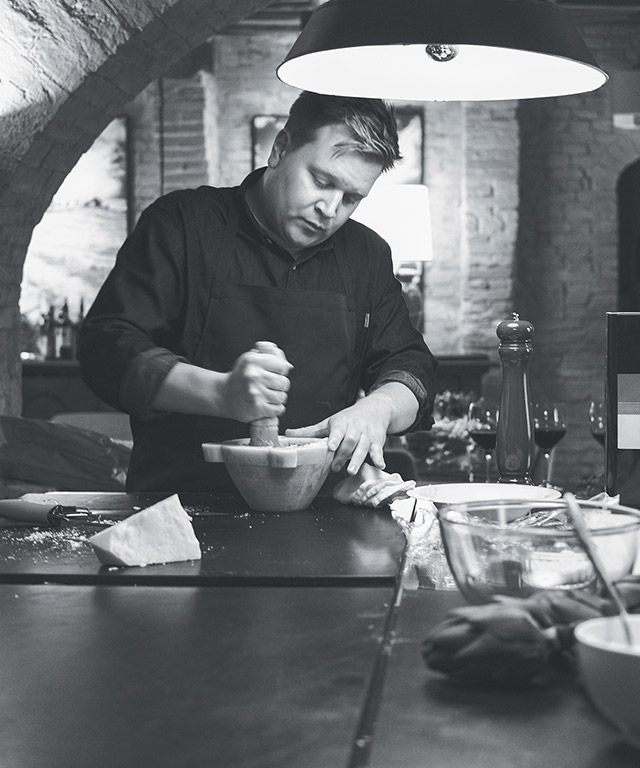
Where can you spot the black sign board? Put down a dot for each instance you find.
(622, 442)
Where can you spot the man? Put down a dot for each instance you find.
(207, 273)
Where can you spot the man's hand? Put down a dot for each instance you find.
(256, 387)
(258, 384)
(361, 429)
(354, 433)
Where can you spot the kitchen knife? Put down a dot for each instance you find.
(54, 514)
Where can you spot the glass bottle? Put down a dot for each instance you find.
(51, 330)
(66, 333)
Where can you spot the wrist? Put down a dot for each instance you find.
(214, 394)
(384, 404)
(399, 403)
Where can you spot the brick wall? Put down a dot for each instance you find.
(168, 143)
(570, 158)
(246, 85)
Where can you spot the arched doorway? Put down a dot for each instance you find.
(69, 87)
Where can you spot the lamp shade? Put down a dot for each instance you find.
(400, 214)
(441, 50)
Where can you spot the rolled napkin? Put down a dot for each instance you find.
(511, 640)
(629, 590)
(560, 612)
(488, 643)
(371, 487)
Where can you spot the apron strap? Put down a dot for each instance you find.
(224, 260)
(221, 268)
(346, 282)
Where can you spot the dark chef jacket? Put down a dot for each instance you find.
(151, 312)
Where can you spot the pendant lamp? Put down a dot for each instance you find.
(441, 50)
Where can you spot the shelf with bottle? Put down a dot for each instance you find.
(59, 332)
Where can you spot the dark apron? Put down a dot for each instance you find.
(315, 329)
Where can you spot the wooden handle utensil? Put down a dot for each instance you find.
(264, 432)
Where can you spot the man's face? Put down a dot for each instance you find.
(311, 190)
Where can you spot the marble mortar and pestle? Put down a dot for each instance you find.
(273, 473)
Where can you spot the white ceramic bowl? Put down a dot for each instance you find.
(454, 493)
(610, 672)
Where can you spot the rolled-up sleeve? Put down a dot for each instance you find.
(143, 378)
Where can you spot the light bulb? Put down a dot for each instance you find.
(441, 51)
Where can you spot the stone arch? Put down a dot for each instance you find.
(69, 70)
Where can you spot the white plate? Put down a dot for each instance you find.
(452, 493)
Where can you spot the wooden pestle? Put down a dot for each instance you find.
(264, 432)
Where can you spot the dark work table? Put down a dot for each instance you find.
(325, 543)
(293, 644)
(185, 677)
(426, 721)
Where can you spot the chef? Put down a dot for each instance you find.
(172, 337)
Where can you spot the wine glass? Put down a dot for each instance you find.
(549, 427)
(597, 420)
(482, 426)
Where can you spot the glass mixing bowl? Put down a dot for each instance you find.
(516, 548)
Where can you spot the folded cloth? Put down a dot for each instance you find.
(488, 643)
(371, 487)
(561, 611)
(629, 590)
(511, 640)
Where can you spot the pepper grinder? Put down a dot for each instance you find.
(515, 437)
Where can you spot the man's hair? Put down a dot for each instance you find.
(371, 123)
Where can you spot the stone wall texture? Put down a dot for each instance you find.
(523, 194)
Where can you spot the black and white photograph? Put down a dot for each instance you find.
(320, 384)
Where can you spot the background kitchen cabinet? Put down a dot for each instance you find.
(55, 386)
(50, 387)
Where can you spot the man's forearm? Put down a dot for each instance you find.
(190, 389)
(401, 403)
